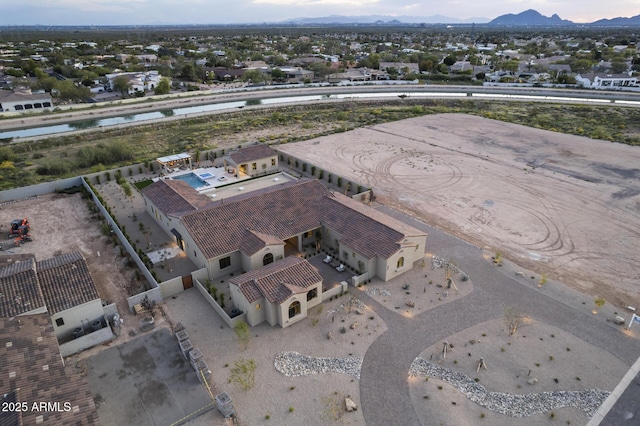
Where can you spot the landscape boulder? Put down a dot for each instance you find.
(350, 405)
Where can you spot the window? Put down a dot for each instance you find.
(59, 322)
(400, 262)
(312, 294)
(267, 259)
(225, 262)
(273, 161)
(254, 166)
(294, 309)
(258, 307)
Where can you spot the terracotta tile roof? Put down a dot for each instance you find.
(252, 153)
(288, 210)
(363, 228)
(281, 212)
(66, 282)
(19, 289)
(33, 371)
(253, 241)
(175, 196)
(278, 281)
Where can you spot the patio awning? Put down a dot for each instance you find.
(175, 157)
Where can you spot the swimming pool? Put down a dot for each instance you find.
(206, 175)
(192, 179)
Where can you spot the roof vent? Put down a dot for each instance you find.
(276, 179)
(241, 188)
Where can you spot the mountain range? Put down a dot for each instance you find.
(528, 18)
(385, 20)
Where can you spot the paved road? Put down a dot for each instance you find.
(626, 411)
(384, 389)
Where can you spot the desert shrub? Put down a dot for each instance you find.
(53, 167)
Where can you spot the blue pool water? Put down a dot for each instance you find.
(206, 175)
(192, 179)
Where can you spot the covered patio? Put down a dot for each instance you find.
(172, 163)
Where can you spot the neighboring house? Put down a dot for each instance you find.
(256, 160)
(280, 293)
(61, 287)
(306, 61)
(33, 372)
(255, 65)
(22, 101)
(412, 67)
(138, 81)
(237, 234)
(353, 74)
(297, 74)
(461, 66)
(69, 293)
(614, 81)
(224, 74)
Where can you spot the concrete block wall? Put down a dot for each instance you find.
(87, 341)
(231, 322)
(155, 295)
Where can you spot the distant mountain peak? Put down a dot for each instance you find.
(529, 17)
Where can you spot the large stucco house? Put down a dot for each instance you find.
(252, 229)
(254, 236)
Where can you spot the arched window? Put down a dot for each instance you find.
(294, 309)
(312, 294)
(400, 262)
(267, 259)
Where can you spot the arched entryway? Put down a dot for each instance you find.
(267, 259)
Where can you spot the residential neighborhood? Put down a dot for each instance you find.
(319, 257)
(85, 70)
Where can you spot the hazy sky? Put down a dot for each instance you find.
(126, 12)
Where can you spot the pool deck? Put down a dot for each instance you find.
(217, 188)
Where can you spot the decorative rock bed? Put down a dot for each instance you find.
(294, 364)
(525, 405)
(377, 292)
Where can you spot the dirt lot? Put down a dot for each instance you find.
(558, 204)
(62, 224)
